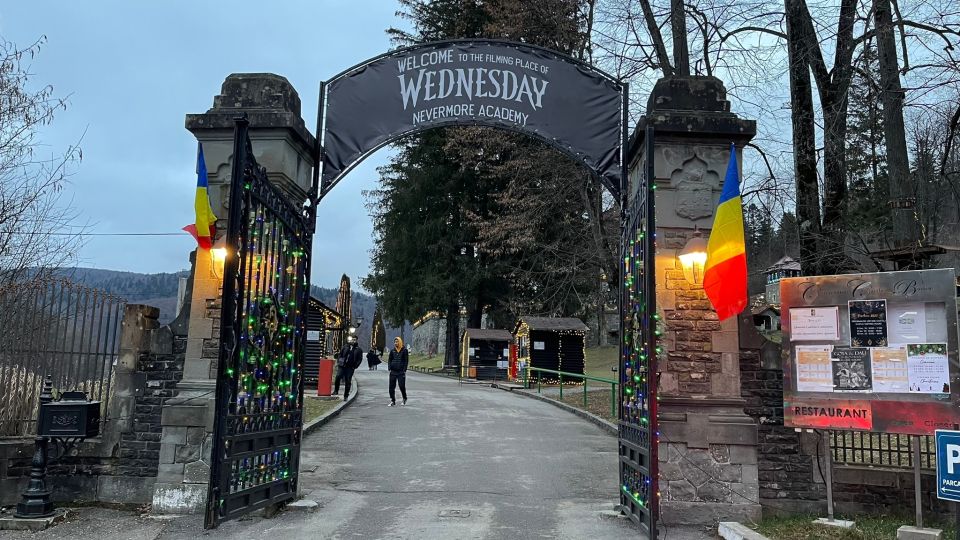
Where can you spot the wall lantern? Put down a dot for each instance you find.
(218, 256)
(693, 257)
(219, 250)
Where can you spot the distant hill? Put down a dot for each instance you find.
(160, 290)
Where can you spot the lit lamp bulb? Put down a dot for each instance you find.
(218, 256)
(693, 257)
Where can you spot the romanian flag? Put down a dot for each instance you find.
(725, 274)
(204, 229)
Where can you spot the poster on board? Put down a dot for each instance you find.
(928, 368)
(907, 323)
(814, 373)
(815, 324)
(851, 369)
(868, 323)
(889, 369)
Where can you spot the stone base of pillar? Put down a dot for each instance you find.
(708, 462)
(185, 446)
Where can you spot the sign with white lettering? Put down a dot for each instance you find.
(555, 98)
(948, 464)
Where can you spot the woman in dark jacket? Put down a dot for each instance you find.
(373, 360)
(397, 364)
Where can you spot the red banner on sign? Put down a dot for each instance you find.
(913, 418)
(829, 414)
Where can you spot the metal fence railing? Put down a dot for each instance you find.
(573, 377)
(57, 328)
(880, 449)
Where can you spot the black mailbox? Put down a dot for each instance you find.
(70, 417)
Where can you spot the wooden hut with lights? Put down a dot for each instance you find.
(321, 321)
(485, 353)
(555, 343)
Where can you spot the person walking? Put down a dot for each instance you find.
(397, 364)
(341, 359)
(350, 359)
(373, 360)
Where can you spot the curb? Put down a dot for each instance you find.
(731, 530)
(317, 422)
(609, 427)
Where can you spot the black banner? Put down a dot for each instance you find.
(565, 102)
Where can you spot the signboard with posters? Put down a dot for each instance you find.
(871, 352)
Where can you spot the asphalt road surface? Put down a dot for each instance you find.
(458, 462)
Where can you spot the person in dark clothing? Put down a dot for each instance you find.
(350, 359)
(341, 359)
(373, 360)
(397, 364)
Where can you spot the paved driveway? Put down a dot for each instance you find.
(458, 462)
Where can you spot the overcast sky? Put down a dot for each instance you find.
(134, 69)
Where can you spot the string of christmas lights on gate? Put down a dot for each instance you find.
(265, 370)
(636, 374)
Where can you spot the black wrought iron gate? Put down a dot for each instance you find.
(639, 497)
(259, 396)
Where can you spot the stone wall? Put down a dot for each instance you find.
(786, 468)
(121, 465)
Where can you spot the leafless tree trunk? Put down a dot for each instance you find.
(681, 53)
(804, 140)
(894, 132)
(451, 356)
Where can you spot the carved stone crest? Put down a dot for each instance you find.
(695, 183)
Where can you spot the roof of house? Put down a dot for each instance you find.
(757, 310)
(489, 333)
(430, 315)
(332, 318)
(785, 263)
(553, 323)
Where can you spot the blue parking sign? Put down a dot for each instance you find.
(948, 465)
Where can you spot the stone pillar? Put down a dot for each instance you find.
(708, 458)
(284, 147)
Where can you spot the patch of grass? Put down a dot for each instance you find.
(598, 402)
(314, 408)
(423, 362)
(599, 360)
(880, 527)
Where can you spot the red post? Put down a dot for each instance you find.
(325, 377)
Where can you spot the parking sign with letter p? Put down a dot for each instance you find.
(948, 464)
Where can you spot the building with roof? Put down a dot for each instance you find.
(485, 353)
(784, 268)
(554, 343)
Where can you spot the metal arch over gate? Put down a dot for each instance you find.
(259, 397)
(566, 103)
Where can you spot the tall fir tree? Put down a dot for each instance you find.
(867, 182)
